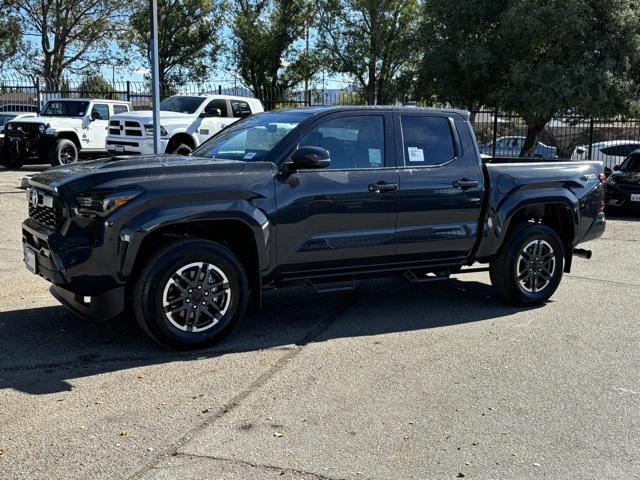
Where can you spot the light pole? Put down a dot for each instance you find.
(155, 82)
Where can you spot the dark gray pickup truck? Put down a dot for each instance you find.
(320, 196)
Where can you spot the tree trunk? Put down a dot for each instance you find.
(534, 129)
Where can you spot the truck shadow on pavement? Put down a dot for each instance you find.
(44, 348)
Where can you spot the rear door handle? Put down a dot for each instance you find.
(464, 183)
(382, 187)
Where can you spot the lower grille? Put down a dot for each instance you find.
(629, 188)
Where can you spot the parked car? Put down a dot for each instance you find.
(512, 146)
(623, 185)
(66, 131)
(610, 153)
(320, 196)
(186, 121)
(5, 116)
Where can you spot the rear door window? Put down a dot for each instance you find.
(120, 109)
(240, 108)
(427, 141)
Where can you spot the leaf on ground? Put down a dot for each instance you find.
(278, 434)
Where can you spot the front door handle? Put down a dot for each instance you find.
(465, 183)
(382, 187)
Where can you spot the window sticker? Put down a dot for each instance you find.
(249, 155)
(375, 157)
(415, 154)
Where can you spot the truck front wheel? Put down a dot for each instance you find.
(528, 268)
(190, 294)
(10, 160)
(64, 151)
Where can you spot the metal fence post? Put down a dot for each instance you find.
(128, 91)
(37, 85)
(495, 133)
(590, 138)
(219, 89)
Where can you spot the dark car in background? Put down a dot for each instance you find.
(623, 185)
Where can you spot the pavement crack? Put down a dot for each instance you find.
(258, 465)
(281, 363)
(580, 277)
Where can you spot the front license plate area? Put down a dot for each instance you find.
(119, 148)
(635, 197)
(31, 259)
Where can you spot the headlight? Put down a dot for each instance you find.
(103, 202)
(149, 130)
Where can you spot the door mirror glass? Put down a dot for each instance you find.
(214, 112)
(309, 158)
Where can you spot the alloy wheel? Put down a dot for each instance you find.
(536, 266)
(196, 297)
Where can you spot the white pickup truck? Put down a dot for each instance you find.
(185, 122)
(65, 131)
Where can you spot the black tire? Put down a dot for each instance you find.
(63, 152)
(10, 160)
(537, 283)
(182, 149)
(153, 286)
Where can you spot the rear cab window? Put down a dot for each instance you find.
(120, 109)
(240, 108)
(427, 141)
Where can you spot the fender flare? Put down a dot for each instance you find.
(162, 216)
(500, 216)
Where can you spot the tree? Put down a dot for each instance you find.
(264, 34)
(9, 33)
(459, 64)
(535, 57)
(95, 85)
(69, 35)
(371, 40)
(188, 38)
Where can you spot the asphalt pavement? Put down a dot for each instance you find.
(391, 381)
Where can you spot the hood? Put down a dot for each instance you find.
(625, 178)
(53, 121)
(171, 170)
(146, 116)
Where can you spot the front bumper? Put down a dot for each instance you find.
(618, 199)
(28, 147)
(80, 280)
(117, 145)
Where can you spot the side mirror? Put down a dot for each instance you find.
(309, 158)
(216, 112)
(616, 168)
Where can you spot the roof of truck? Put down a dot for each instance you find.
(101, 100)
(395, 108)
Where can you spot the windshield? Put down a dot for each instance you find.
(181, 104)
(251, 139)
(66, 108)
(631, 164)
(5, 118)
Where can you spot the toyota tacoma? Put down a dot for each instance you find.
(318, 196)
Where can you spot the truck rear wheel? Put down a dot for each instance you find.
(528, 268)
(190, 294)
(64, 152)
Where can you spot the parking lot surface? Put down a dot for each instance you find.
(392, 381)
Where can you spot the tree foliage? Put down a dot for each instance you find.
(538, 58)
(10, 32)
(188, 38)
(371, 40)
(264, 50)
(69, 36)
(96, 86)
